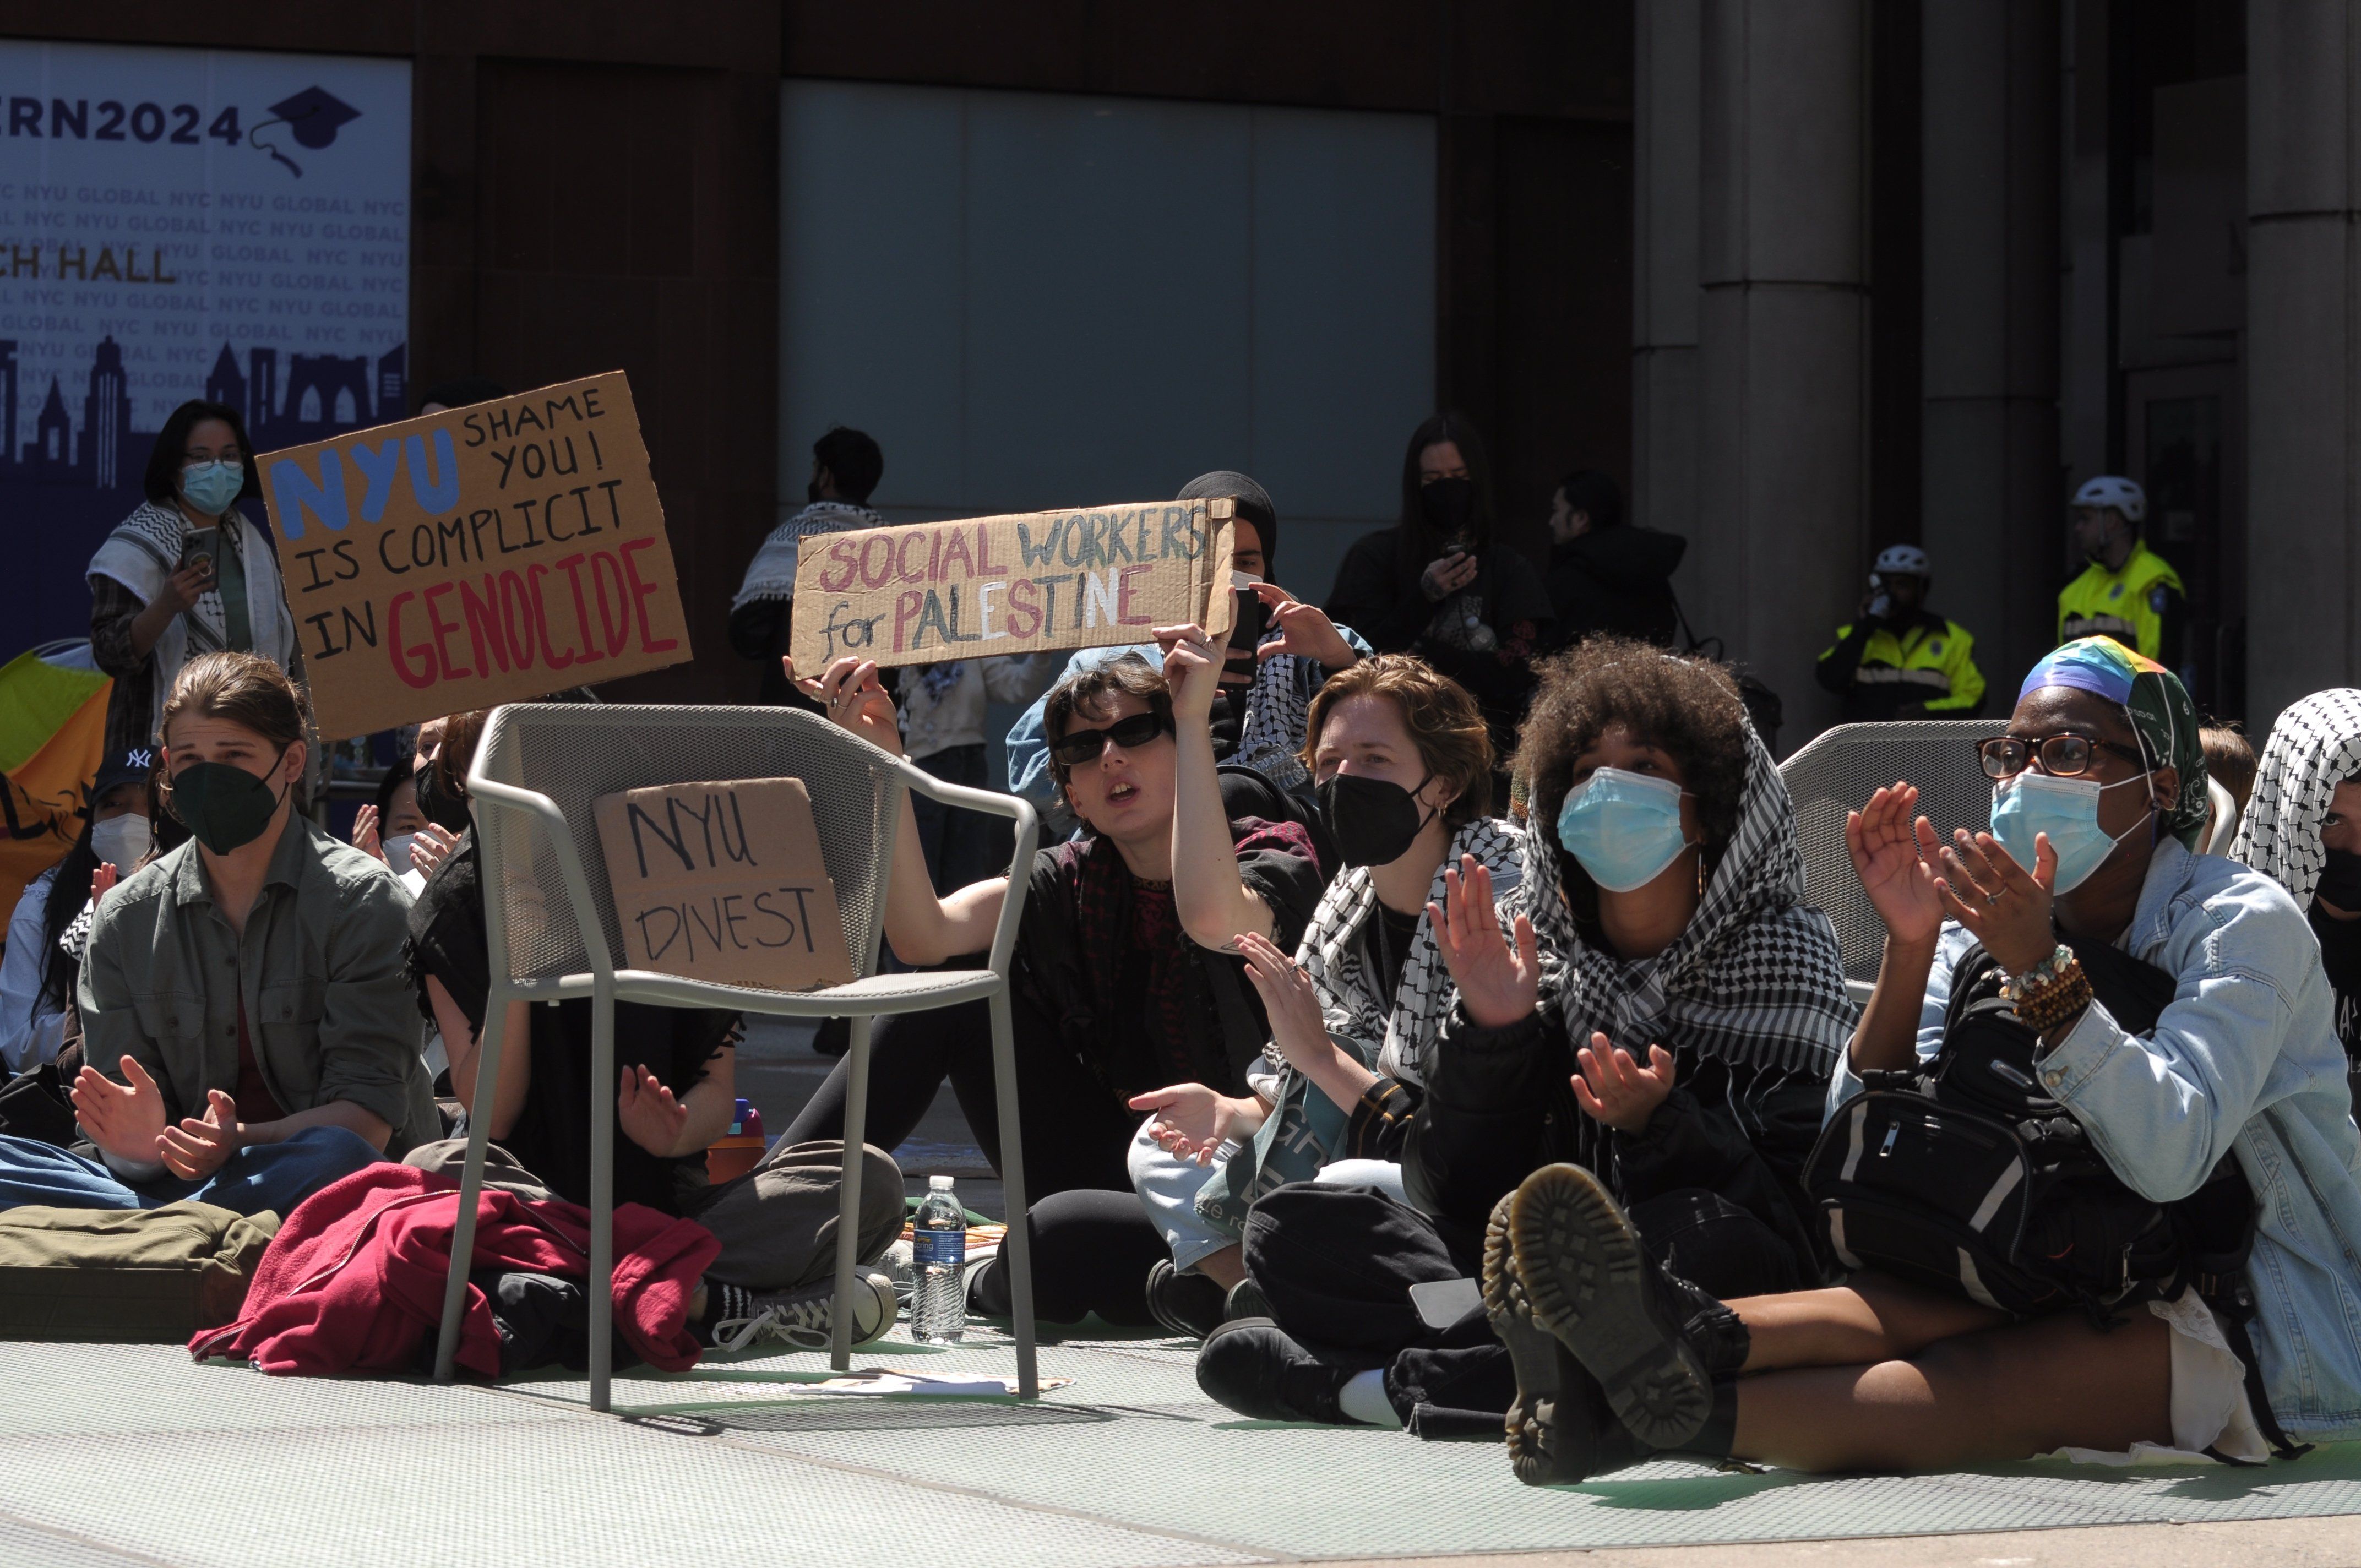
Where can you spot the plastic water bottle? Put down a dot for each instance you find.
(938, 1257)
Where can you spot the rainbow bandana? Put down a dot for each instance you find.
(2158, 705)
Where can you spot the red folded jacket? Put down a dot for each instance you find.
(353, 1282)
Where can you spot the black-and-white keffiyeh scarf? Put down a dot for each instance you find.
(1408, 1023)
(145, 550)
(772, 574)
(2315, 747)
(1756, 980)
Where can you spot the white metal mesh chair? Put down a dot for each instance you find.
(551, 919)
(1837, 773)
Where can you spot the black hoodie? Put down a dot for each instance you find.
(1618, 580)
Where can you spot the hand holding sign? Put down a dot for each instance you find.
(856, 700)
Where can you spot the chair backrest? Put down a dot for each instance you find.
(1838, 771)
(575, 754)
(2225, 817)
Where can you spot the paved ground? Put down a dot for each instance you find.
(113, 1457)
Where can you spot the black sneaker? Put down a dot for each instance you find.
(1251, 1366)
(1560, 1428)
(1588, 1281)
(1187, 1305)
(1246, 1300)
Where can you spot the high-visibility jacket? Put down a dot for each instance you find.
(1879, 668)
(2139, 607)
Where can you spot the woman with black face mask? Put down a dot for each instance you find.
(2302, 828)
(1404, 770)
(1438, 584)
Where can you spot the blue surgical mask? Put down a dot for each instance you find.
(210, 487)
(2066, 809)
(1625, 828)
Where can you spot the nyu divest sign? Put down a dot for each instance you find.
(178, 223)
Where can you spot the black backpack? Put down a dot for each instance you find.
(1963, 1175)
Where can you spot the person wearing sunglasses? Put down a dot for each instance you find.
(2099, 793)
(1115, 992)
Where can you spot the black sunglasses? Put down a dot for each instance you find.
(2061, 756)
(1076, 747)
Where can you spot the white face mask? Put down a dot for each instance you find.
(397, 852)
(122, 841)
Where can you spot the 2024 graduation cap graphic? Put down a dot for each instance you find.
(314, 115)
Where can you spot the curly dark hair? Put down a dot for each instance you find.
(1690, 707)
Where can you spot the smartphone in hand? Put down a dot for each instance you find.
(199, 550)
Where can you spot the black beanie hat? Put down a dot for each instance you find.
(1254, 505)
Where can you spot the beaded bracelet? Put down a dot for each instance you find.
(2023, 983)
(2062, 996)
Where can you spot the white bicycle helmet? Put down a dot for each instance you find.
(1901, 561)
(2113, 491)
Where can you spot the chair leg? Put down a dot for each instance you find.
(848, 1193)
(471, 1187)
(1012, 1185)
(603, 1195)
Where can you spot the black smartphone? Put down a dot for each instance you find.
(199, 548)
(1250, 618)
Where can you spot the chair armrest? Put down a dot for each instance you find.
(1020, 865)
(569, 869)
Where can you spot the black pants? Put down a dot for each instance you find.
(1075, 1133)
(1336, 1265)
(1092, 1252)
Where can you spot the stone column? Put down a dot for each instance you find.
(2303, 351)
(1783, 337)
(1664, 271)
(1990, 514)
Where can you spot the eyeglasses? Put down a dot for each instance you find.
(2061, 756)
(1076, 747)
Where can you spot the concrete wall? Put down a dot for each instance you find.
(2303, 366)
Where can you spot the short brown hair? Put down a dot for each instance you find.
(1688, 706)
(2230, 758)
(1443, 719)
(1082, 688)
(462, 733)
(244, 689)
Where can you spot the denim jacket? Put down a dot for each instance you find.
(2245, 1061)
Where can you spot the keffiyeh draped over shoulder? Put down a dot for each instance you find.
(1409, 1022)
(772, 574)
(2315, 747)
(1756, 980)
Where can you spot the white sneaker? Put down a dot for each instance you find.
(806, 1319)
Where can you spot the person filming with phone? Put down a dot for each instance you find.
(186, 572)
(1899, 659)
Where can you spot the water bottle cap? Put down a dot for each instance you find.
(939, 1184)
(744, 1106)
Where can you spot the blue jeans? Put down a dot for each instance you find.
(273, 1177)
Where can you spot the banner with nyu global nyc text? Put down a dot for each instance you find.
(178, 224)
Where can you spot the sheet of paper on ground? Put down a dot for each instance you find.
(485, 555)
(724, 882)
(921, 592)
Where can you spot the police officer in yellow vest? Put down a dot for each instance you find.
(1900, 660)
(2127, 592)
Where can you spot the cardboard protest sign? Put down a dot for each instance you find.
(485, 555)
(724, 882)
(921, 592)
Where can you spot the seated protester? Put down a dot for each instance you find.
(675, 1095)
(246, 986)
(1115, 988)
(387, 826)
(1257, 719)
(2302, 829)
(2231, 1087)
(37, 978)
(1405, 770)
(1667, 1017)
